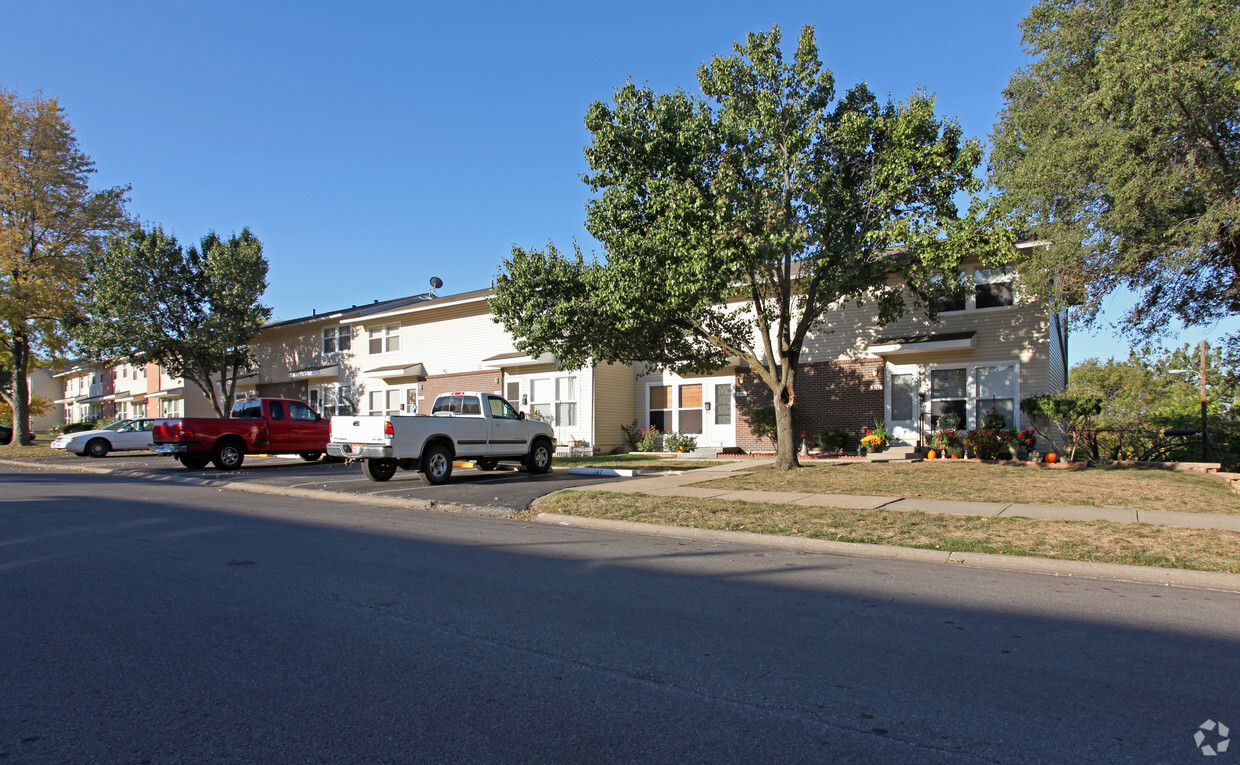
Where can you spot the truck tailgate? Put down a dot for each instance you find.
(359, 430)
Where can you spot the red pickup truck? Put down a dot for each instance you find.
(256, 425)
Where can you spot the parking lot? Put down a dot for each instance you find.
(498, 492)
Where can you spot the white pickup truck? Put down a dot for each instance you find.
(466, 425)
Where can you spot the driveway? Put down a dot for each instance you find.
(503, 491)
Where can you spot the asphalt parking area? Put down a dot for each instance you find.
(501, 492)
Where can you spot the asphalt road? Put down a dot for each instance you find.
(499, 492)
(146, 621)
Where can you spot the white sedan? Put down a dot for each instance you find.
(123, 435)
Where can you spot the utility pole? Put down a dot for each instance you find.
(1204, 453)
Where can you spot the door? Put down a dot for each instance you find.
(903, 404)
(508, 433)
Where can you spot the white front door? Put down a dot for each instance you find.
(903, 404)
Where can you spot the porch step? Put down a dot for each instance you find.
(896, 454)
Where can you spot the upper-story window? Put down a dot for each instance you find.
(385, 339)
(337, 339)
(993, 288)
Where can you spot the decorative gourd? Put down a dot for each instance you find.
(932, 454)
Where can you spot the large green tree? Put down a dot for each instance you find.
(50, 220)
(735, 226)
(192, 311)
(1120, 144)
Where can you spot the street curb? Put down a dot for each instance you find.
(1168, 577)
(255, 488)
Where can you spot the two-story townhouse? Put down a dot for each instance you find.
(406, 356)
(43, 382)
(84, 391)
(986, 352)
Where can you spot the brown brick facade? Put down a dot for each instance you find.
(434, 386)
(830, 395)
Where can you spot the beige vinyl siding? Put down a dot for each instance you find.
(445, 340)
(613, 403)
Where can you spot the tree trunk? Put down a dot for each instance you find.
(21, 391)
(785, 439)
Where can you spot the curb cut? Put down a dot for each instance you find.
(255, 488)
(1167, 577)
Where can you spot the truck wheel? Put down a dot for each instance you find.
(228, 455)
(379, 470)
(193, 461)
(98, 447)
(310, 456)
(436, 464)
(488, 463)
(539, 458)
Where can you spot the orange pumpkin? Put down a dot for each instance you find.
(1052, 457)
(932, 454)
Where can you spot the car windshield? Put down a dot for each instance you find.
(116, 425)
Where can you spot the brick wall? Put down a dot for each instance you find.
(830, 395)
(432, 387)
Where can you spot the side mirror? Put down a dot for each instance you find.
(520, 415)
(317, 416)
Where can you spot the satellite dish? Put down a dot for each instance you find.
(436, 282)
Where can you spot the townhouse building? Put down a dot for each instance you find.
(986, 352)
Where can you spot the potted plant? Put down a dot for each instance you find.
(876, 438)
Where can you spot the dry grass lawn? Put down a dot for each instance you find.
(39, 451)
(1101, 541)
(635, 461)
(1117, 487)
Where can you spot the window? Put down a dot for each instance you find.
(247, 409)
(458, 405)
(948, 395)
(566, 401)
(904, 397)
(337, 339)
(689, 408)
(301, 412)
(661, 406)
(277, 410)
(385, 339)
(993, 288)
(500, 409)
(996, 392)
(723, 404)
(385, 402)
(540, 398)
(953, 298)
(514, 392)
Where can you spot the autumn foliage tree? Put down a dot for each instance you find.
(737, 225)
(50, 222)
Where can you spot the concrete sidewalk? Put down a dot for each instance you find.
(688, 485)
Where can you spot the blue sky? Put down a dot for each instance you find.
(373, 145)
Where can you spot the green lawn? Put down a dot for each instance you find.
(1106, 486)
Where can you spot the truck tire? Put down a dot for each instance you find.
(228, 454)
(193, 461)
(98, 447)
(310, 456)
(379, 470)
(538, 461)
(436, 464)
(487, 463)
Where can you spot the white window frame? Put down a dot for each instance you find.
(567, 406)
(993, 276)
(334, 335)
(970, 400)
(388, 337)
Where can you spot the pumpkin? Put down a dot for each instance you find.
(932, 454)
(1052, 457)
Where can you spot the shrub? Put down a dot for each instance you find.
(674, 442)
(762, 422)
(649, 440)
(985, 443)
(632, 434)
(78, 427)
(832, 441)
